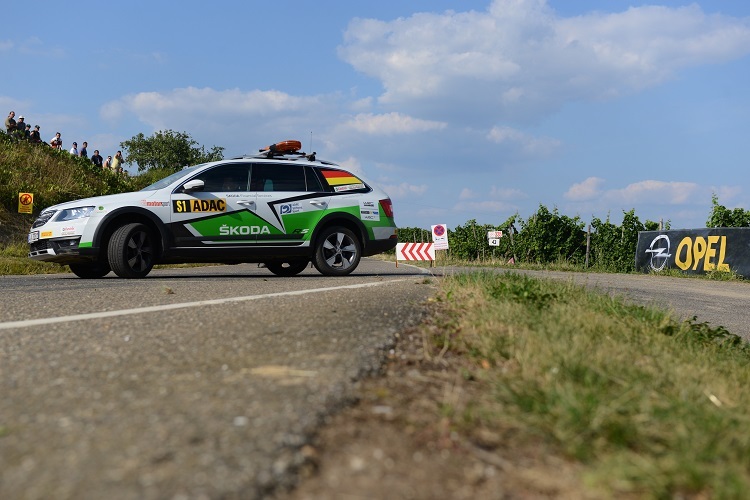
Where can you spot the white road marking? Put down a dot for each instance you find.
(167, 307)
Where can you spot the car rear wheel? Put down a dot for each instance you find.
(337, 252)
(131, 251)
(292, 268)
(90, 270)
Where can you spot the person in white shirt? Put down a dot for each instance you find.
(56, 142)
(74, 149)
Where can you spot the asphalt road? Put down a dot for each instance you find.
(207, 382)
(200, 382)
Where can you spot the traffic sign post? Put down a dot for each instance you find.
(440, 236)
(493, 238)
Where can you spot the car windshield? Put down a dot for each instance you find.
(172, 178)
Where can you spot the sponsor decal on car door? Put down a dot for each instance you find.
(289, 202)
(215, 218)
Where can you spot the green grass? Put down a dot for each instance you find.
(650, 406)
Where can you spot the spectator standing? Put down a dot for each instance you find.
(10, 123)
(27, 132)
(117, 162)
(108, 163)
(83, 153)
(34, 136)
(56, 142)
(20, 128)
(96, 158)
(74, 149)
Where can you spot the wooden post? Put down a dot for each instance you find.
(588, 246)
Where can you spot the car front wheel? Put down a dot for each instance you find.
(131, 251)
(337, 252)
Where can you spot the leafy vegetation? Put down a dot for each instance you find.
(722, 217)
(167, 150)
(546, 238)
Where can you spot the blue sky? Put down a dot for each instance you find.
(459, 110)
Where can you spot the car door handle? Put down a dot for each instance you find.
(318, 203)
(247, 203)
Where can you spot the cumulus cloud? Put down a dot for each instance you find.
(536, 146)
(390, 124)
(646, 191)
(207, 103)
(404, 189)
(520, 59)
(658, 192)
(586, 190)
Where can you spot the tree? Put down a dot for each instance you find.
(167, 149)
(721, 216)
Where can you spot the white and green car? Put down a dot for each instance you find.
(280, 208)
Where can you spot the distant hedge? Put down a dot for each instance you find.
(548, 237)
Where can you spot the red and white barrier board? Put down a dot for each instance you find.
(415, 251)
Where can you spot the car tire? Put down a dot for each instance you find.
(337, 251)
(292, 268)
(131, 251)
(90, 270)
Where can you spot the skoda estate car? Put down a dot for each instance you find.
(281, 208)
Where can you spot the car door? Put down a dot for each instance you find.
(290, 199)
(215, 208)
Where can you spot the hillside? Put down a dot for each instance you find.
(53, 177)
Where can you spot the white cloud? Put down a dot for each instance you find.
(657, 192)
(537, 146)
(520, 59)
(207, 104)
(404, 189)
(586, 190)
(390, 124)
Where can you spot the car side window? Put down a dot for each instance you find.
(313, 181)
(278, 177)
(225, 178)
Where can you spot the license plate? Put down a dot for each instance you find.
(33, 236)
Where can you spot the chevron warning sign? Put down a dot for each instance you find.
(415, 251)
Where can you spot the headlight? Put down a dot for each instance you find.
(74, 213)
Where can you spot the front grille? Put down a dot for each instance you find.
(43, 218)
(38, 246)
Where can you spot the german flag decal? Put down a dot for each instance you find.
(339, 178)
(342, 181)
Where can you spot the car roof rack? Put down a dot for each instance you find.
(289, 150)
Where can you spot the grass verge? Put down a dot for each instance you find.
(14, 260)
(649, 406)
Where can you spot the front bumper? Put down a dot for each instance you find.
(62, 250)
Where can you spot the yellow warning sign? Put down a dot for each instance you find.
(25, 203)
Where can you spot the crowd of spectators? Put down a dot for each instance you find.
(22, 131)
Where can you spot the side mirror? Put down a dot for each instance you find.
(194, 185)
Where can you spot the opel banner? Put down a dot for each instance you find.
(695, 250)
